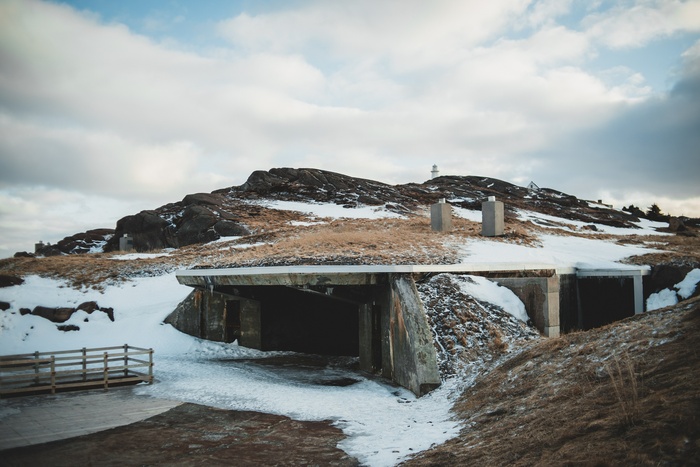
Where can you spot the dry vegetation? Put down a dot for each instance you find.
(625, 394)
(277, 240)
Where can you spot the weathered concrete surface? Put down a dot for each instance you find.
(492, 216)
(204, 314)
(540, 295)
(441, 217)
(412, 361)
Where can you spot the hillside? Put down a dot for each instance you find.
(254, 208)
(516, 397)
(625, 394)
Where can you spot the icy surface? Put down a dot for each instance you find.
(383, 423)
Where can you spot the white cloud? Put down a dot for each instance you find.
(635, 25)
(374, 89)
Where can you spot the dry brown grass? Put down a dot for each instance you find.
(626, 394)
(347, 241)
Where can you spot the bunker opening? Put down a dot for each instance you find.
(318, 320)
(374, 313)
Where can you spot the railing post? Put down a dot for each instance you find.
(126, 360)
(84, 364)
(106, 371)
(150, 366)
(53, 374)
(36, 368)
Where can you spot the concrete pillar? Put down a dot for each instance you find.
(365, 325)
(551, 308)
(412, 356)
(540, 295)
(638, 295)
(251, 324)
(492, 215)
(441, 216)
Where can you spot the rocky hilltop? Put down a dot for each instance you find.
(204, 217)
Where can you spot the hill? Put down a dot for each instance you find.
(522, 398)
(625, 394)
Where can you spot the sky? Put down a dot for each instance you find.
(109, 108)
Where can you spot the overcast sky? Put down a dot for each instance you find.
(111, 107)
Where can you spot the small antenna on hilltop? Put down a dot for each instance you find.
(435, 172)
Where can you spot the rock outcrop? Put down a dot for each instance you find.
(204, 217)
(63, 314)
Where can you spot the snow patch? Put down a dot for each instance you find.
(331, 210)
(681, 291)
(488, 291)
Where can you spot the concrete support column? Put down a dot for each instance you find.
(251, 324)
(551, 308)
(412, 352)
(540, 295)
(638, 295)
(365, 325)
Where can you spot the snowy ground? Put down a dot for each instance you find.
(383, 423)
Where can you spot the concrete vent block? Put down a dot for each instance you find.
(492, 216)
(441, 216)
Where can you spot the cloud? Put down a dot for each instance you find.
(379, 90)
(650, 146)
(636, 23)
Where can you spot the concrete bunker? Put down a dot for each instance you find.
(374, 312)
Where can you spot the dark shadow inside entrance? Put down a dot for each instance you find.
(604, 300)
(306, 320)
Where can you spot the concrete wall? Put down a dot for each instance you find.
(540, 295)
(410, 358)
(203, 314)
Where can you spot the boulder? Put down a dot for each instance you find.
(147, 228)
(9, 281)
(227, 228)
(4, 306)
(195, 226)
(24, 254)
(56, 315)
(675, 224)
(212, 199)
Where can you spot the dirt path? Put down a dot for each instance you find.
(192, 434)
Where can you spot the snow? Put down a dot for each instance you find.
(646, 227)
(383, 423)
(132, 256)
(662, 299)
(561, 251)
(687, 286)
(331, 210)
(487, 291)
(681, 291)
(468, 214)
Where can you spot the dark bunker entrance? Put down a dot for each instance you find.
(310, 320)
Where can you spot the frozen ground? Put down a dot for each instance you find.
(383, 423)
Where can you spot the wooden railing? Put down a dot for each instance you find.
(40, 372)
